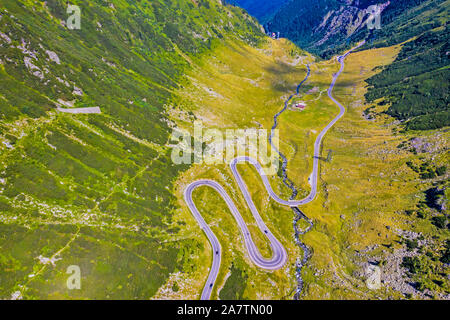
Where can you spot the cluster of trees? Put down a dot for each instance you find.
(298, 20)
(426, 170)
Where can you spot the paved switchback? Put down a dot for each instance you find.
(279, 256)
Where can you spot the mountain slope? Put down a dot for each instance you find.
(262, 10)
(96, 190)
(328, 26)
(100, 191)
(416, 84)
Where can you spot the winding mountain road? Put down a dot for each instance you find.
(279, 256)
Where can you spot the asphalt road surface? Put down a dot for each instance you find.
(80, 110)
(279, 255)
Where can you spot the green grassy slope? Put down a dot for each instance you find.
(327, 27)
(96, 190)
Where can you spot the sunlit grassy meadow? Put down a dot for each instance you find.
(363, 190)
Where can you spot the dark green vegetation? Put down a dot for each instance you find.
(417, 84)
(263, 10)
(446, 253)
(235, 285)
(400, 21)
(427, 262)
(96, 190)
(327, 27)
